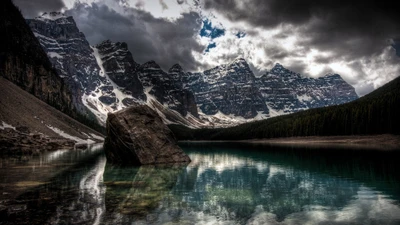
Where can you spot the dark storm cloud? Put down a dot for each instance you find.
(275, 52)
(148, 38)
(350, 28)
(32, 8)
(298, 67)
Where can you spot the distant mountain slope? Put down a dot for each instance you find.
(232, 89)
(19, 108)
(375, 113)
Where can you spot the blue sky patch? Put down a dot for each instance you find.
(211, 45)
(240, 34)
(209, 31)
(396, 46)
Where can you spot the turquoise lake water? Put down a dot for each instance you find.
(226, 183)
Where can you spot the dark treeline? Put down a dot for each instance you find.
(375, 113)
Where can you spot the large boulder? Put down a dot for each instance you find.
(137, 135)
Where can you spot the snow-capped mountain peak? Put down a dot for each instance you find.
(241, 62)
(105, 78)
(56, 16)
(176, 68)
(53, 15)
(151, 64)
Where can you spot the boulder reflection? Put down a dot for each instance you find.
(132, 193)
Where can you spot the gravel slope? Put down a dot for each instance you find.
(18, 108)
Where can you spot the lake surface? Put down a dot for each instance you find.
(224, 184)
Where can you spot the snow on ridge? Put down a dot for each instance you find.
(304, 98)
(55, 55)
(52, 16)
(221, 120)
(68, 136)
(273, 112)
(96, 137)
(5, 125)
(92, 102)
(37, 35)
(116, 89)
(99, 61)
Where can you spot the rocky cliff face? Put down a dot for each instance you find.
(105, 78)
(285, 91)
(69, 52)
(233, 89)
(133, 84)
(230, 89)
(137, 135)
(23, 61)
(166, 90)
(120, 67)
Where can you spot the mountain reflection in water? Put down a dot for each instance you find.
(224, 184)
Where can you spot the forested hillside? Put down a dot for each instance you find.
(375, 113)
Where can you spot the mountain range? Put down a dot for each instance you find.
(105, 78)
(372, 114)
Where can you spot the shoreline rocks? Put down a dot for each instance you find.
(137, 136)
(20, 141)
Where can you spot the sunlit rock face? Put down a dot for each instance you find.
(137, 135)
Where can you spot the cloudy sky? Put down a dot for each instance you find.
(356, 39)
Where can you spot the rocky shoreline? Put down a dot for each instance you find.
(20, 141)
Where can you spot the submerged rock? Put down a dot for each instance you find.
(137, 135)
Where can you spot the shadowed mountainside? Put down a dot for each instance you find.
(24, 62)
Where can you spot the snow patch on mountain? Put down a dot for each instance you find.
(52, 16)
(99, 61)
(96, 137)
(54, 55)
(68, 136)
(304, 98)
(5, 125)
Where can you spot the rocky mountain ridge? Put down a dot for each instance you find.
(105, 78)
